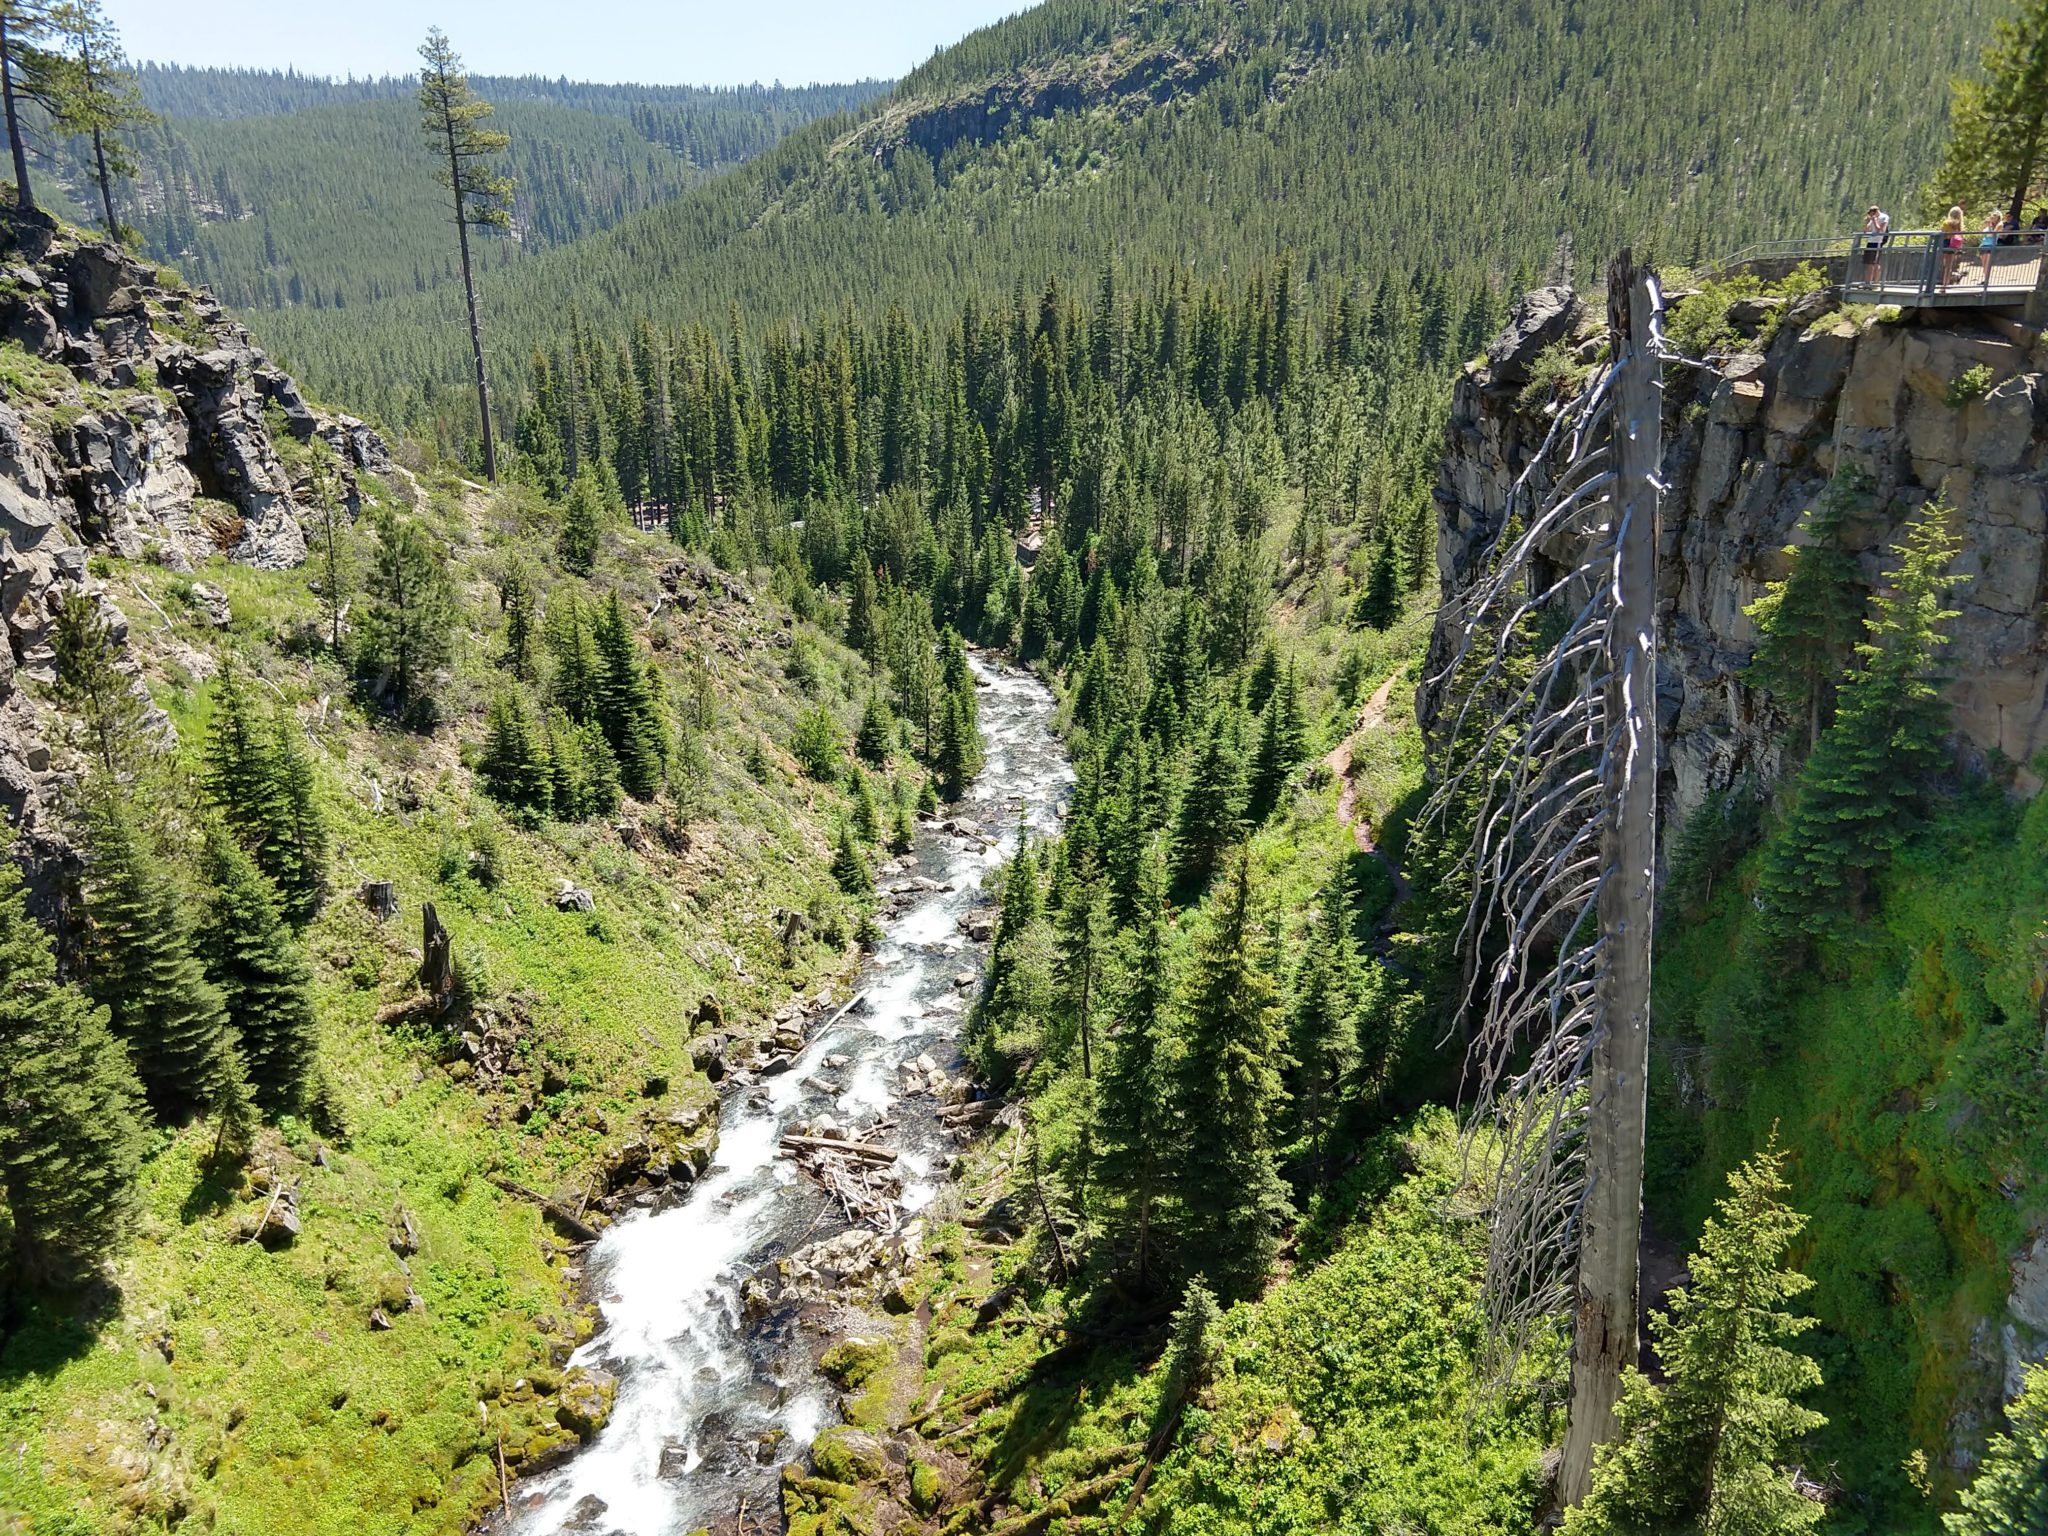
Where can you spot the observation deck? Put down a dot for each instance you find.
(1913, 268)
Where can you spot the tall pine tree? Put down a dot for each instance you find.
(1227, 1095)
(1705, 1453)
(1857, 797)
(1136, 1134)
(141, 966)
(70, 1126)
(260, 972)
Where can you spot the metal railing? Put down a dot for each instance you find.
(1921, 267)
(1913, 268)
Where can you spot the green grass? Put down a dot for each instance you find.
(1906, 1075)
(1343, 1400)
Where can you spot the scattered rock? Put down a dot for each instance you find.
(212, 602)
(570, 897)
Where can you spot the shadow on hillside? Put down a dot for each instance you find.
(211, 1193)
(41, 1332)
(1105, 1353)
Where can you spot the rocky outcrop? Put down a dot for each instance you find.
(1946, 403)
(138, 419)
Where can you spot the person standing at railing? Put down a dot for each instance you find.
(1987, 243)
(1876, 225)
(2037, 232)
(1950, 236)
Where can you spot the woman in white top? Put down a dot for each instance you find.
(1876, 223)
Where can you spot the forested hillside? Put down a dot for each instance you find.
(420, 875)
(279, 190)
(1371, 142)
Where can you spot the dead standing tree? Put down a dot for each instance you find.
(1556, 765)
(452, 116)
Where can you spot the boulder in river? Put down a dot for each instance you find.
(585, 1400)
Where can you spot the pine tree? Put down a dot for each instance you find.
(1322, 1024)
(867, 825)
(294, 855)
(583, 773)
(1998, 126)
(407, 631)
(93, 687)
(259, 778)
(1080, 937)
(260, 972)
(849, 867)
(100, 99)
(141, 966)
(1283, 742)
(582, 524)
(863, 614)
(815, 744)
(1807, 624)
(1379, 600)
(239, 772)
(513, 764)
(70, 1107)
(1211, 809)
(877, 735)
(626, 708)
(451, 116)
(1704, 1454)
(1227, 1094)
(515, 601)
(957, 757)
(574, 688)
(2009, 1495)
(1135, 1132)
(26, 70)
(1857, 797)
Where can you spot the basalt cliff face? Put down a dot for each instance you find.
(138, 420)
(1948, 403)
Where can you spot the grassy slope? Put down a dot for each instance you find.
(1906, 1078)
(245, 1386)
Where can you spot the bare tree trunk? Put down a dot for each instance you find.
(476, 331)
(23, 197)
(2026, 176)
(99, 153)
(1604, 1325)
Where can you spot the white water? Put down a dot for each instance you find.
(702, 1392)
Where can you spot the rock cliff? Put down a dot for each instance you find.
(138, 419)
(1945, 403)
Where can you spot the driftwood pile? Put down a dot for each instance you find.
(861, 1175)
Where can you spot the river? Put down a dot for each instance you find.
(710, 1404)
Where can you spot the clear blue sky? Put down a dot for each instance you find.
(681, 42)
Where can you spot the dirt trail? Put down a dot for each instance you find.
(1371, 718)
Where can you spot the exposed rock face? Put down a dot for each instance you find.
(1748, 452)
(144, 427)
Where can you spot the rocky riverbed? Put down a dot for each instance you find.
(719, 1300)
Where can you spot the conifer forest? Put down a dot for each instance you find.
(1229, 768)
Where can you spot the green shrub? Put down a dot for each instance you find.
(1970, 384)
(1556, 371)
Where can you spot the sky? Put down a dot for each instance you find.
(649, 42)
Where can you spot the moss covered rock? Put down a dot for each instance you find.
(851, 1362)
(847, 1455)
